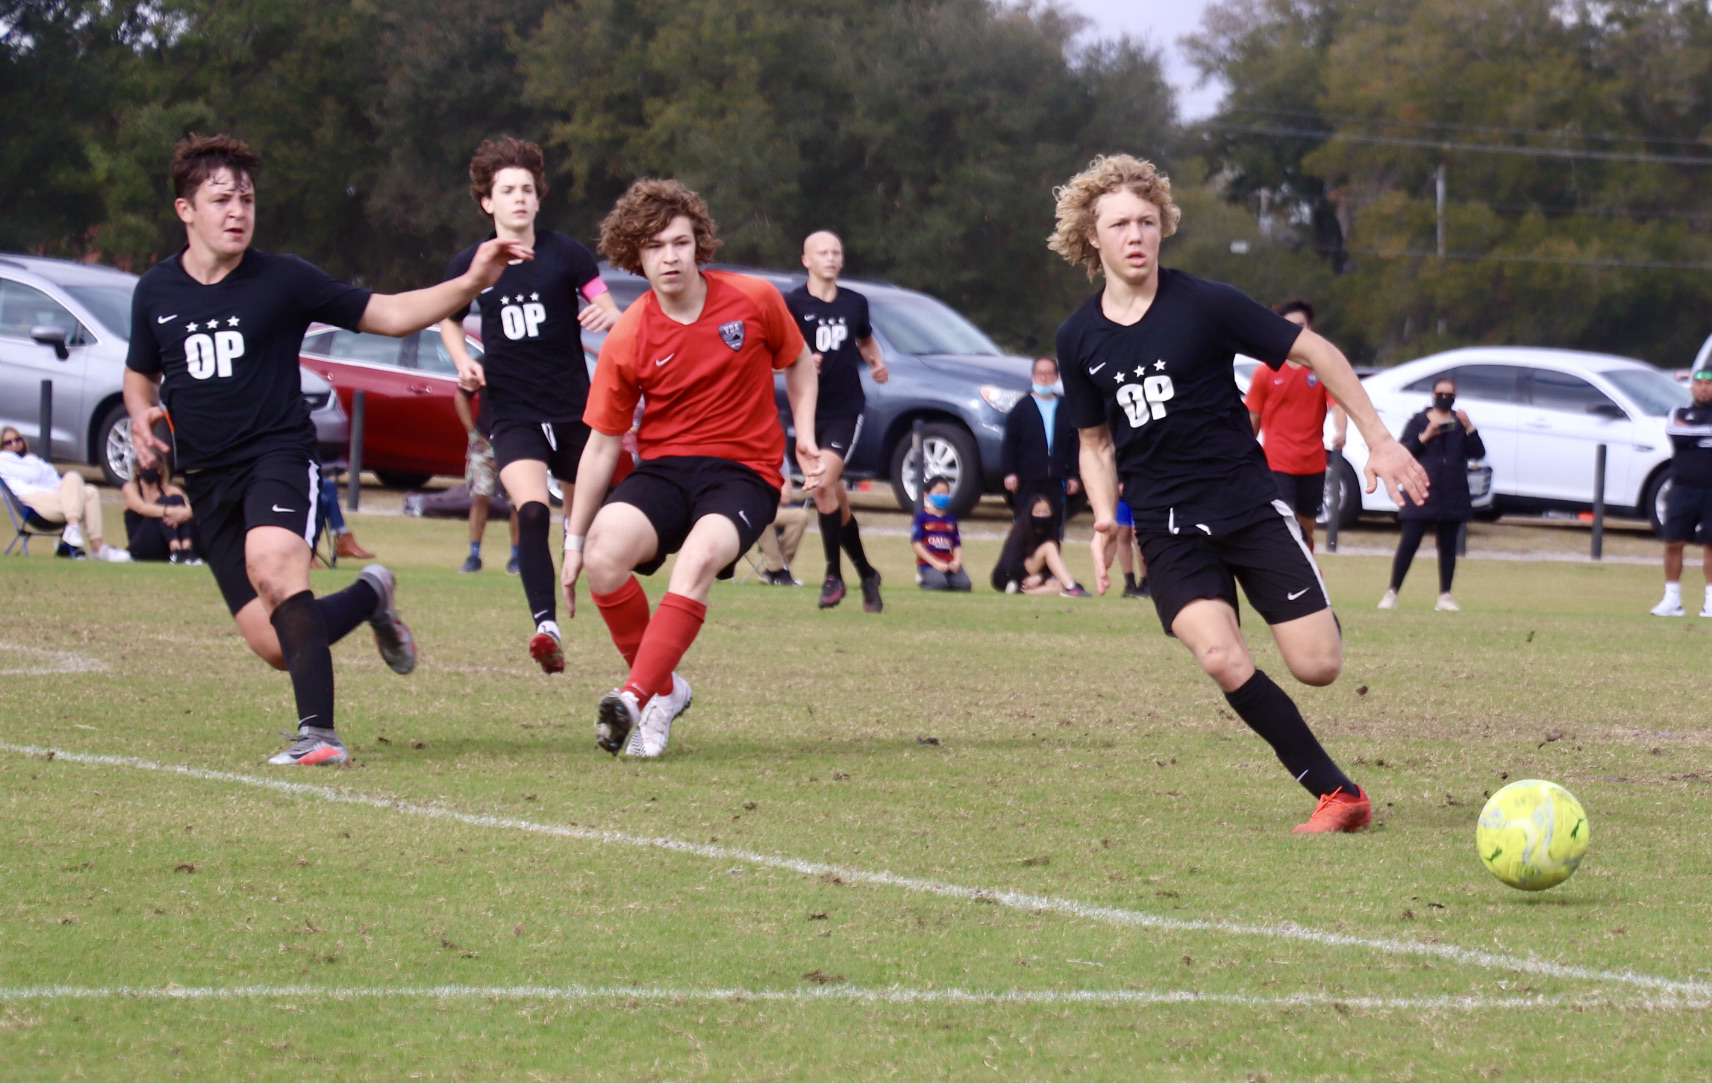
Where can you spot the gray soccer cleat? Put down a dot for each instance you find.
(649, 737)
(311, 748)
(397, 645)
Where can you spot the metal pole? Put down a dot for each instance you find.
(354, 483)
(1334, 472)
(920, 445)
(1599, 502)
(45, 432)
(1439, 194)
(1462, 539)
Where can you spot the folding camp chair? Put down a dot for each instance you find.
(27, 523)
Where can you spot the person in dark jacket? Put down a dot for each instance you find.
(1443, 439)
(1041, 450)
(1688, 507)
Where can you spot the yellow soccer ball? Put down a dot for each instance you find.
(1532, 834)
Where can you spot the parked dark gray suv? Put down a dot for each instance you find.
(944, 372)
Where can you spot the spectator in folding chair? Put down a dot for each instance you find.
(41, 488)
(157, 520)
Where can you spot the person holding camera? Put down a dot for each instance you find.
(1442, 439)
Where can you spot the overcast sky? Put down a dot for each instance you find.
(1160, 24)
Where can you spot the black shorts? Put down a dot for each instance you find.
(1306, 493)
(838, 434)
(1268, 558)
(1688, 513)
(559, 444)
(677, 491)
(277, 488)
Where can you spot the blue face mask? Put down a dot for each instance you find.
(939, 501)
(1043, 389)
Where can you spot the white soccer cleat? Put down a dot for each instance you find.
(615, 718)
(1447, 604)
(1670, 607)
(649, 737)
(313, 748)
(1389, 601)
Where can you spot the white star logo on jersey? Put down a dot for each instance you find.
(505, 300)
(534, 296)
(1119, 376)
(1160, 365)
(233, 322)
(213, 325)
(191, 326)
(1140, 371)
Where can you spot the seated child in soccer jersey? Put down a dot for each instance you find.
(938, 545)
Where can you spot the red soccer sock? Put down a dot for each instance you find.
(670, 634)
(625, 611)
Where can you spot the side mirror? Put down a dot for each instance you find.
(49, 335)
(1610, 411)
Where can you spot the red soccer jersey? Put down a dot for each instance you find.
(1292, 407)
(707, 386)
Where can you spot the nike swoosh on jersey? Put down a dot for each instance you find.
(277, 508)
(164, 319)
(665, 359)
(1298, 594)
(1096, 368)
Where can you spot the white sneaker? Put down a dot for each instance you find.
(651, 734)
(1389, 601)
(1706, 610)
(112, 554)
(72, 535)
(1447, 604)
(1670, 607)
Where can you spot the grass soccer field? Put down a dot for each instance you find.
(976, 837)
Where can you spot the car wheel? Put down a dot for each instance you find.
(1348, 496)
(113, 445)
(402, 480)
(951, 454)
(1658, 491)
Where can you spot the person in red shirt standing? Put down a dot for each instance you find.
(1289, 407)
(699, 351)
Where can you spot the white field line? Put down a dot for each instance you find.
(49, 663)
(834, 993)
(1106, 915)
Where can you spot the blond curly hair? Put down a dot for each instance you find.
(1078, 199)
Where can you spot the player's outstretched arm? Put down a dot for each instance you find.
(801, 387)
(1387, 460)
(471, 375)
(142, 402)
(1098, 459)
(399, 314)
(594, 476)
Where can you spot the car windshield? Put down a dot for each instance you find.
(110, 305)
(1654, 392)
(921, 325)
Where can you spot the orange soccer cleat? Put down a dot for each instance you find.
(1337, 811)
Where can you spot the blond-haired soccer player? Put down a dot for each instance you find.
(1147, 367)
(699, 349)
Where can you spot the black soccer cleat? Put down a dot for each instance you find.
(616, 716)
(871, 602)
(831, 592)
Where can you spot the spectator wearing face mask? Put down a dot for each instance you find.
(937, 543)
(1443, 439)
(1041, 450)
(1031, 561)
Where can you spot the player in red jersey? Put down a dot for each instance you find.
(1288, 410)
(699, 350)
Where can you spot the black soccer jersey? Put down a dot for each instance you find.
(1164, 386)
(227, 353)
(831, 329)
(1690, 432)
(531, 341)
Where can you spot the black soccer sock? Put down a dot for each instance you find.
(348, 608)
(1270, 712)
(535, 561)
(831, 531)
(852, 538)
(1129, 580)
(303, 640)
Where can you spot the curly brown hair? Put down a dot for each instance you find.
(195, 158)
(1078, 200)
(508, 152)
(647, 207)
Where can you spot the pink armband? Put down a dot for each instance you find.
(593, 288)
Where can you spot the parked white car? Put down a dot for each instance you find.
(1541, 414)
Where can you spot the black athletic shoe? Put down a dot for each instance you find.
(1138, 591)
(472, 563)
(831, 592)
(615, 718)
(871, 593)
(781, 578)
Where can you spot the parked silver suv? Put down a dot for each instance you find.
(70, 323)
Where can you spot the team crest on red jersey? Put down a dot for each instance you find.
(732, 333)
(1313, 381)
